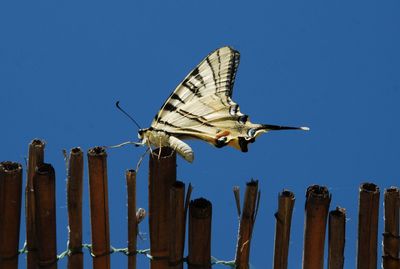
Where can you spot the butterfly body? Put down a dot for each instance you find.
(159, 138)
(201, 107)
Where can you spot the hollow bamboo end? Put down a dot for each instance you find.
(252, 183)
(317, 191)
(10, 167)
(369, 187)
(338, 212)
(392, 190)
(201, 208)
(287, 194)
(97, 151)
(76, 151)
(166, 152)
(37, 143)
(130, 173)
(44, 169)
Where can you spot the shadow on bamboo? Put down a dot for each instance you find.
(98, 191)
(162, 175)
(35, 158)
(317, 207)
(44, 182)
(200, 212)
(283, 218)
(74, 201)
(10, 213)
(391, 237)
(130, 176)
(246, 225)
(368, 213)
(337, 234)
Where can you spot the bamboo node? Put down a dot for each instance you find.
(177, 262)
(44, 264)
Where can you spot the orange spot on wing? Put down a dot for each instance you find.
(222, 133)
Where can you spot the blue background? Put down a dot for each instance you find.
(330, 65)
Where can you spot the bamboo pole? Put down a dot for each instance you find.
(337, 233)
(162, 175)
(10, 213)
(283, 218)
(74, 200)
(44, 182)
(177, 225)
(35, 157)
(98, 191)
(200, 212)
(368, 213)
(130, 176)
(391, 236)
(317, 207)
(246, 225)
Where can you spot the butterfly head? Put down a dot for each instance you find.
(142, 134)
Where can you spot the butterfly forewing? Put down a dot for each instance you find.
(215, 74)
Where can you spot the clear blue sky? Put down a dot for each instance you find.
(331, 65)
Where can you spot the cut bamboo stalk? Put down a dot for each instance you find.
(368, 213)
(98, 191)
(317, 207)
(337, 233)
(391, 237)
(283, 218)
(35, 157)
(44, 182)
(130, 176)
(177, 225)
(200, 212)
(74, 200)
(246, 225)
(10, 213)
(162, 175)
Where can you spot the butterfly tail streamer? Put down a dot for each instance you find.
(269, 127)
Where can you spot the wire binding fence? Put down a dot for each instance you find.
(170, 209)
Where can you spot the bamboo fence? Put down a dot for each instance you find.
(171, 209)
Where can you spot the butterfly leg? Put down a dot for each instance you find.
(141, 159)
(159, 151)
(149, 147)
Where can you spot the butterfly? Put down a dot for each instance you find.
(201, 107)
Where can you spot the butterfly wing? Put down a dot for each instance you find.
(215, 74)
(201, 106)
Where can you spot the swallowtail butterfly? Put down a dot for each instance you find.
(201, 107)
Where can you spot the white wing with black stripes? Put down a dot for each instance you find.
(201, 108)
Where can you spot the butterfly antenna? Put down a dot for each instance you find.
(126, 114)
